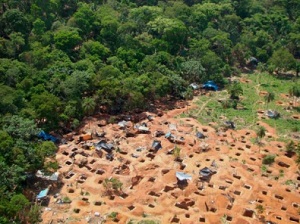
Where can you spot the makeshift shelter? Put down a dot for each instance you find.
(194, 86)
(110, 156)
(200, 135)
(142, 128)
(169, 136)
(150, 117)
(107, 147)
(272, 114)
(43, 194)
(47, 137)
(53, 177)
(182, 179)
(252, 62)
(122, 124)
(210, 85)
(229, 124)
(183, 176)
(206, 173)
(158, 133)
(156, 145)
(85, 137)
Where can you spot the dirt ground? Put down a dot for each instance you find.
(150, 188)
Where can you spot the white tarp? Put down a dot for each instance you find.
(53, 177)
(183, 176)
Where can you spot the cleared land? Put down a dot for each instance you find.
(241, 190)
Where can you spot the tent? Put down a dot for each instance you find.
(206, 172)
(169, 135)
(122, 124)
(110, 156)
(194, 86)
(107, 147)
(183, 176)
(53, 177)
(230, 124)
(200, 135)
(47, 137)
(210, 85)
(156, 145)
(43, 193)
(272, 114)
(142, 128)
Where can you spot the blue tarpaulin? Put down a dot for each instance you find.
(47, 137)
(43, 193)
(210, 85)
(156, 145)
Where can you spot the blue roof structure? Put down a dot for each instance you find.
(43, 193)
(47, 137)
(211, 85)
(156, 145)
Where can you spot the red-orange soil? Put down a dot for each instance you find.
(150, 186)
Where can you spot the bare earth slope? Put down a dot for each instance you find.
(150, 188)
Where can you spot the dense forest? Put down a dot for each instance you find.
(61, 60)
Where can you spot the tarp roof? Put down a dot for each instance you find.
(143, 128)
(199, 135)
(230, 124)
(183, 176)
(156, 145)
(122, 124)
(194, 86)
(43, 193)
(104, 145)
(47, 137)
(53, 177)
(272, 113)
(169, 135)
(206, 172)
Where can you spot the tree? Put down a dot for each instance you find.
(15, 21)
(270, 96)
(112, 185)
(260, 209)
(176, 152)
(235, 90)
(76, 84)
(173, 31)
(94, 51)
(88, 106)
(143, 15)
(46, 148)
(39, 27)
(283, 61)
(84, 18)
(34, 214)
(17, 205)
(269, 159)
(66, 39)
(295, 92)
(46, 106)
(260, 132)
(193, 71)
(19, 127)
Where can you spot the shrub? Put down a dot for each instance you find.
(269, 159)
(66, 200)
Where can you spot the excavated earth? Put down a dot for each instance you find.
(150, 188)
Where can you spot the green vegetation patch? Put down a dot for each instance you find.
(260, 93)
